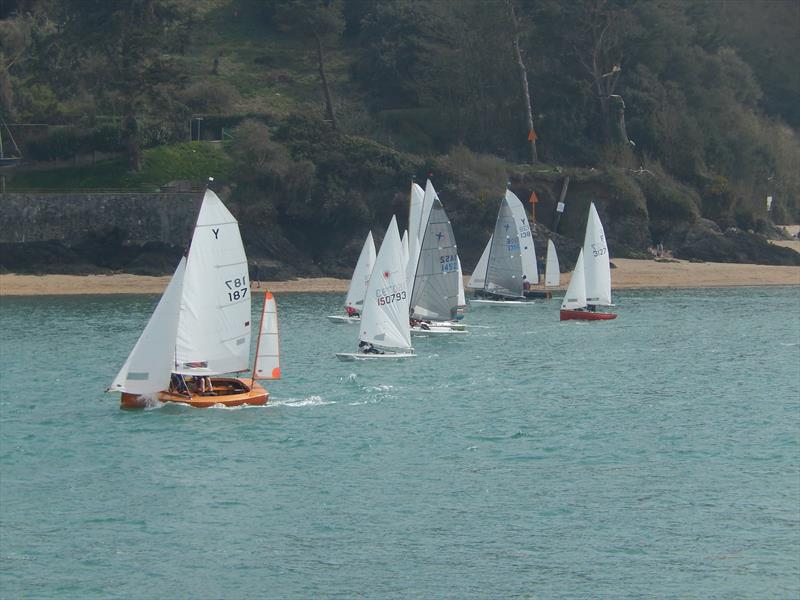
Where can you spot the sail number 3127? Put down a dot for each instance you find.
(237, 287)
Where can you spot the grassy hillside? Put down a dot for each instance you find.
(184, 161)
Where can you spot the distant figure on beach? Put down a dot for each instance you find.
(660, 249)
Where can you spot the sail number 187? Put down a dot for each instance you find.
(237, 287)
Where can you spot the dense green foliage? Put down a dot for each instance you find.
(327, 107)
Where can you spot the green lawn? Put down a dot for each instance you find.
(194, 161)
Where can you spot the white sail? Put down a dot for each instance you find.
(360, 279)
(416, 230)
(268, 362)
(415, 214)
(405, 253)
(149, 364)
(527, 249)
(576, 291)
(462, 298)
(214, 328)
(597, 267)
(504, 271)
(384, 321)
(552, 273)
(434, 294)
(478, 278)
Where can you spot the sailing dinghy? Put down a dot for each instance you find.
(433, 270)
(590, 285)
(200, 329)
(509, 258)
(354, 302)
(384, 332)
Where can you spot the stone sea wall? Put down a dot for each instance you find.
(70, 218)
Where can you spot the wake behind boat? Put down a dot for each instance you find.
(200, 328)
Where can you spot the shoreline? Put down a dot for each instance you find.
(628, 274)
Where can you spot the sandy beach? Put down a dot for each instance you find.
(628, 274)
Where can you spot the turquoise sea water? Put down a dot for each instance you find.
(655, 456)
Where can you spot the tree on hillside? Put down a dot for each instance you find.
(594, 34)
(523, 78)
(126, 49)
(320, 19)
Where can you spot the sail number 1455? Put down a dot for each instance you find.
(237, 287)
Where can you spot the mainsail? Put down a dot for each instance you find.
(435, 290)
(384, 321)
(360, 279)
(526, 247)
(504, 270)
(214, 328)
(597, 267)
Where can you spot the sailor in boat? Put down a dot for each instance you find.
(352, 312)
(426, 325)
(526, 285)
(206, 389)
(178, 385)
(367, 348)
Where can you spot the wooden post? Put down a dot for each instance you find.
(560, 206)
(533, 200)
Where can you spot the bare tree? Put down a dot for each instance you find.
(523, 75)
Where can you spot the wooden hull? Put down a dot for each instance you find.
(229, 391)
(586, 315)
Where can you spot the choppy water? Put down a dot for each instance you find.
(655, 456)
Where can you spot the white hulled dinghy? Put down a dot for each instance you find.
(200, 328)
(510, 257)
(433, 271)
(354, 301)
(384, 332)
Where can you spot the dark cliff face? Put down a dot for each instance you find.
(146, 233)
